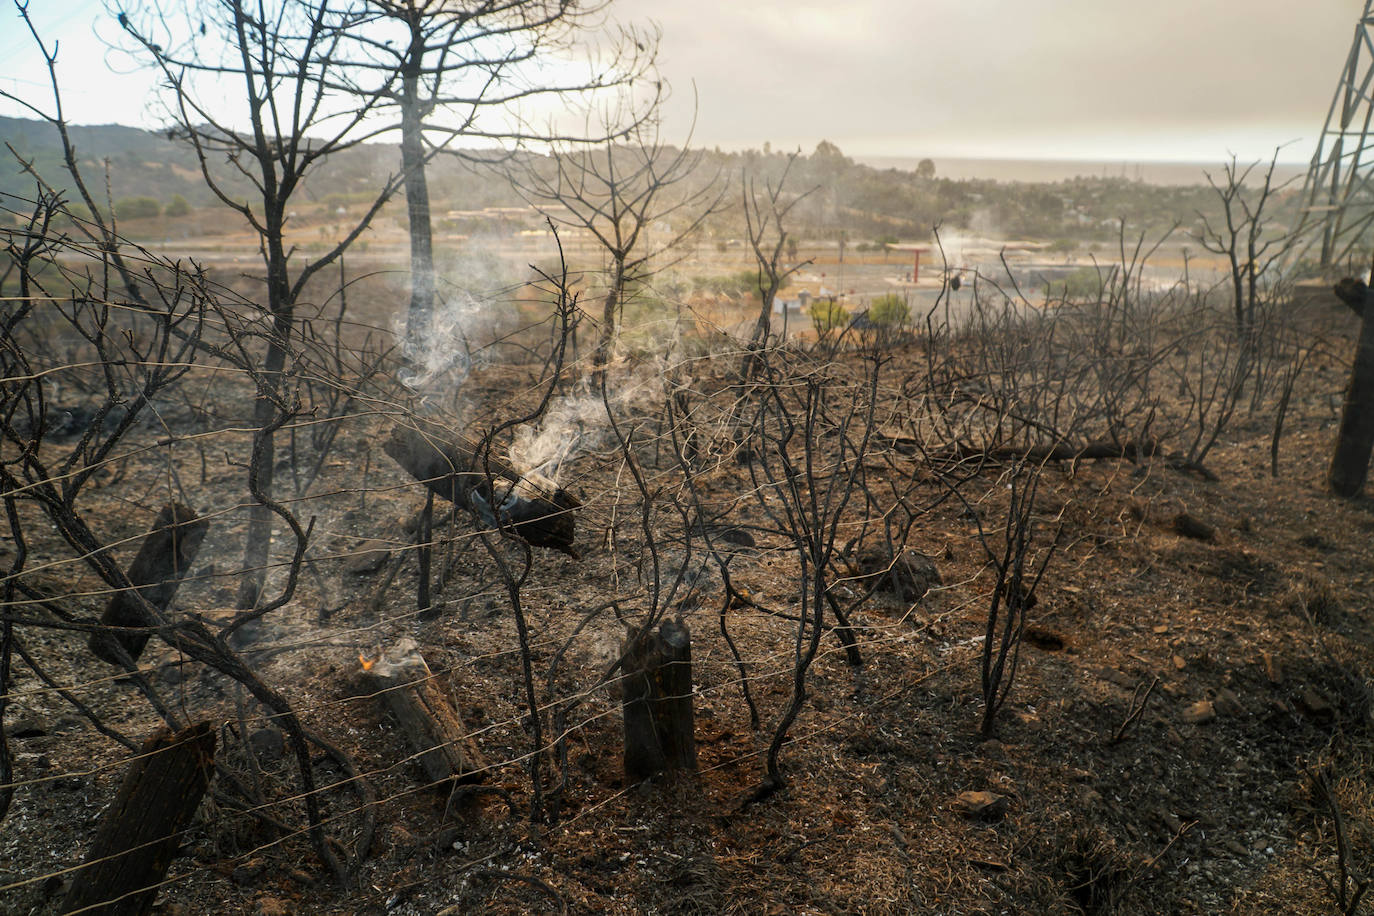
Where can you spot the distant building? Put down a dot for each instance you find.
(792, 310)
(798, 303)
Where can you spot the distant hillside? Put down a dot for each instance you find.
(844, 198)
(146, 164)
(140, 163)
(863, 200)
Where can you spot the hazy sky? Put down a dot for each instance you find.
(1098, 79)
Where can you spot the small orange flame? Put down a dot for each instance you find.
(367, 665)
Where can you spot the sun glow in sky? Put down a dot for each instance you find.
(1058, 79)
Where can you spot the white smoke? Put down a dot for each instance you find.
(571, 424)
(447, 354)
(466, 318)
(575, 423)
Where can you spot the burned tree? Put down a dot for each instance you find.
(1017, 574)
(454, 72)
(1243, 239)
(811, 432)
(281, 55)
(1355, 436)
(764, 213)
(615, 191)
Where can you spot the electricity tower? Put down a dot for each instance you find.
(1337, 203)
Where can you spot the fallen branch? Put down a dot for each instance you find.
(1135, 710)
(1038, 454)
(541, 513)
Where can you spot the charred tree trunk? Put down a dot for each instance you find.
(140, 832)
(419, 317)
(1355, 438)
(162, 562)
(659, 719)
(427, 715)
(762, 327)
(452, 470)
(613, 304)
(258, 545)
(763, 324)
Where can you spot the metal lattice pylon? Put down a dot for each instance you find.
(1337, 204)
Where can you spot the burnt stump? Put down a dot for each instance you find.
(657, 702)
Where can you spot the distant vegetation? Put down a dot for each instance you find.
(891, 310)
(138, 207)
(827, 315)
(1083, 283)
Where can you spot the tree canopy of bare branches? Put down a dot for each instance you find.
(617, 192)
(280, 56)
(441, 72)
(765, 212)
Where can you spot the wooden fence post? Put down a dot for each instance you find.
(163, 560)
(140, 832)
(657, 704)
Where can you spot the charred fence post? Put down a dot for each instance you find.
(1355, 437)
(163, 560)
(657, 704)
(427, 715)
(140, 832)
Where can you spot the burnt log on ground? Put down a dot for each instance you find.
(427, 715)
(163, 560)
(139, 833)
(1131, 450)
(543, 515)
(657, 702)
